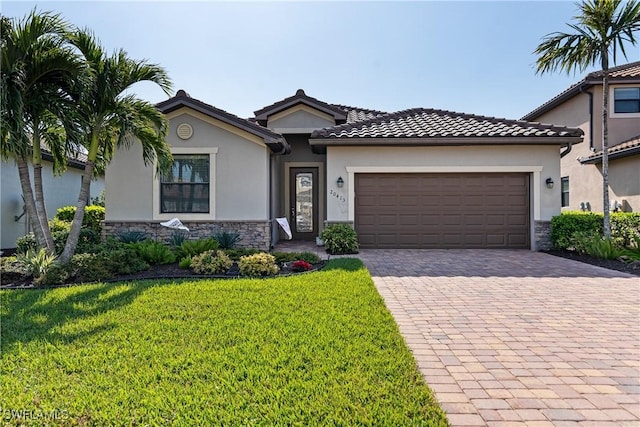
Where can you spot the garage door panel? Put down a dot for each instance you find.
(442, 210)
(518, 239)
(411, 220)
(452, 219)
(496, 239)
(387, 220)
(474, 220)
(518, 220)
(368, 201)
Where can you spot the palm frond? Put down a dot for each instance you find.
(602, 28)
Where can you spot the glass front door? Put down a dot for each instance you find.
(303, 209)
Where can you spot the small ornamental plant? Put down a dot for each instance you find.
(258, 265)
(300, 265)
(211, 262)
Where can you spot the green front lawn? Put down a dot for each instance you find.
(312, 349)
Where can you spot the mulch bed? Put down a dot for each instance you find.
(155, 272)
(611, 264)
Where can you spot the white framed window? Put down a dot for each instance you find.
(565, 191)
(187, 191)
(625, 101)
(185, 188)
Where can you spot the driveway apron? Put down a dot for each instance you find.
(517, 337)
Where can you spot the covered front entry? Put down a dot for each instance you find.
(442, 210)
(303, 202)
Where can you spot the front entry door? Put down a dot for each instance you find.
(303, 205)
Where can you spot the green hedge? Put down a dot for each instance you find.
(93, 216)
(625, 226)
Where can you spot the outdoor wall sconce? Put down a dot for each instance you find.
(549, 182)
(340, 182)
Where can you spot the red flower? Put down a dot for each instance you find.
(300, 265)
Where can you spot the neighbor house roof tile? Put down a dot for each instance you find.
(624, 149)
(623, 73)
(423, 123)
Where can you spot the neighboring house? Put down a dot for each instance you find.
(581, 168)
(418, 178)
(59, 191)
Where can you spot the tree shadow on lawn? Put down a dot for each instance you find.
(29, 315)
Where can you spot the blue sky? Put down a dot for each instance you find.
(474, 57)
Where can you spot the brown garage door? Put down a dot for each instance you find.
(448, 210)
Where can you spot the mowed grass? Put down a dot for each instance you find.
(312, 349)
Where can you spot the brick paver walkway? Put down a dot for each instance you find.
(517, 337)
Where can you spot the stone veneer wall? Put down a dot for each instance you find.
(542, 235)
(254, 234)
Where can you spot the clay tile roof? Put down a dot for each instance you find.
(624, 73)
(624, 149)
(422, 123)
(275, 141)
(300, 98)
(357, 114)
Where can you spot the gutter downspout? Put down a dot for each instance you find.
(590, 94)
(567, 151)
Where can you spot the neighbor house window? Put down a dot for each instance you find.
(626, 100)
(565, 191)
(185, 188)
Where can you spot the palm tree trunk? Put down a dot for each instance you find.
(78, 218)
(605, 146)
(41, 209)
(29, 202)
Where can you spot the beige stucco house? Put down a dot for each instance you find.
(581, 167)
(418, 178)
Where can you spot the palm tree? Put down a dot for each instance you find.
(602, 29)
(111, 118)
(38, 76)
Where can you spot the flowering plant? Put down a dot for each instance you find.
(300, 265)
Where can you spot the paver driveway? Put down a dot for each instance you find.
(517, 337)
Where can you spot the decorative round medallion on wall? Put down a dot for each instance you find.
(184, 131)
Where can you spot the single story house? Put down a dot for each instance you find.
(581, 106)
(59, 191)
(418, 178)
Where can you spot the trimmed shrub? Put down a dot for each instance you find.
(122, 261)
(93, 216)
(625, 227)
(236, 254)
(211, 262)
(56, 274)
(340, 239)
(66, 213)
(153, 252)
(87, 239)
(59, 225)
(195, 247)
(227, 239)
(89, 268)
(26, 243)
(258, 265)
(309, 257)
(570, 228)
